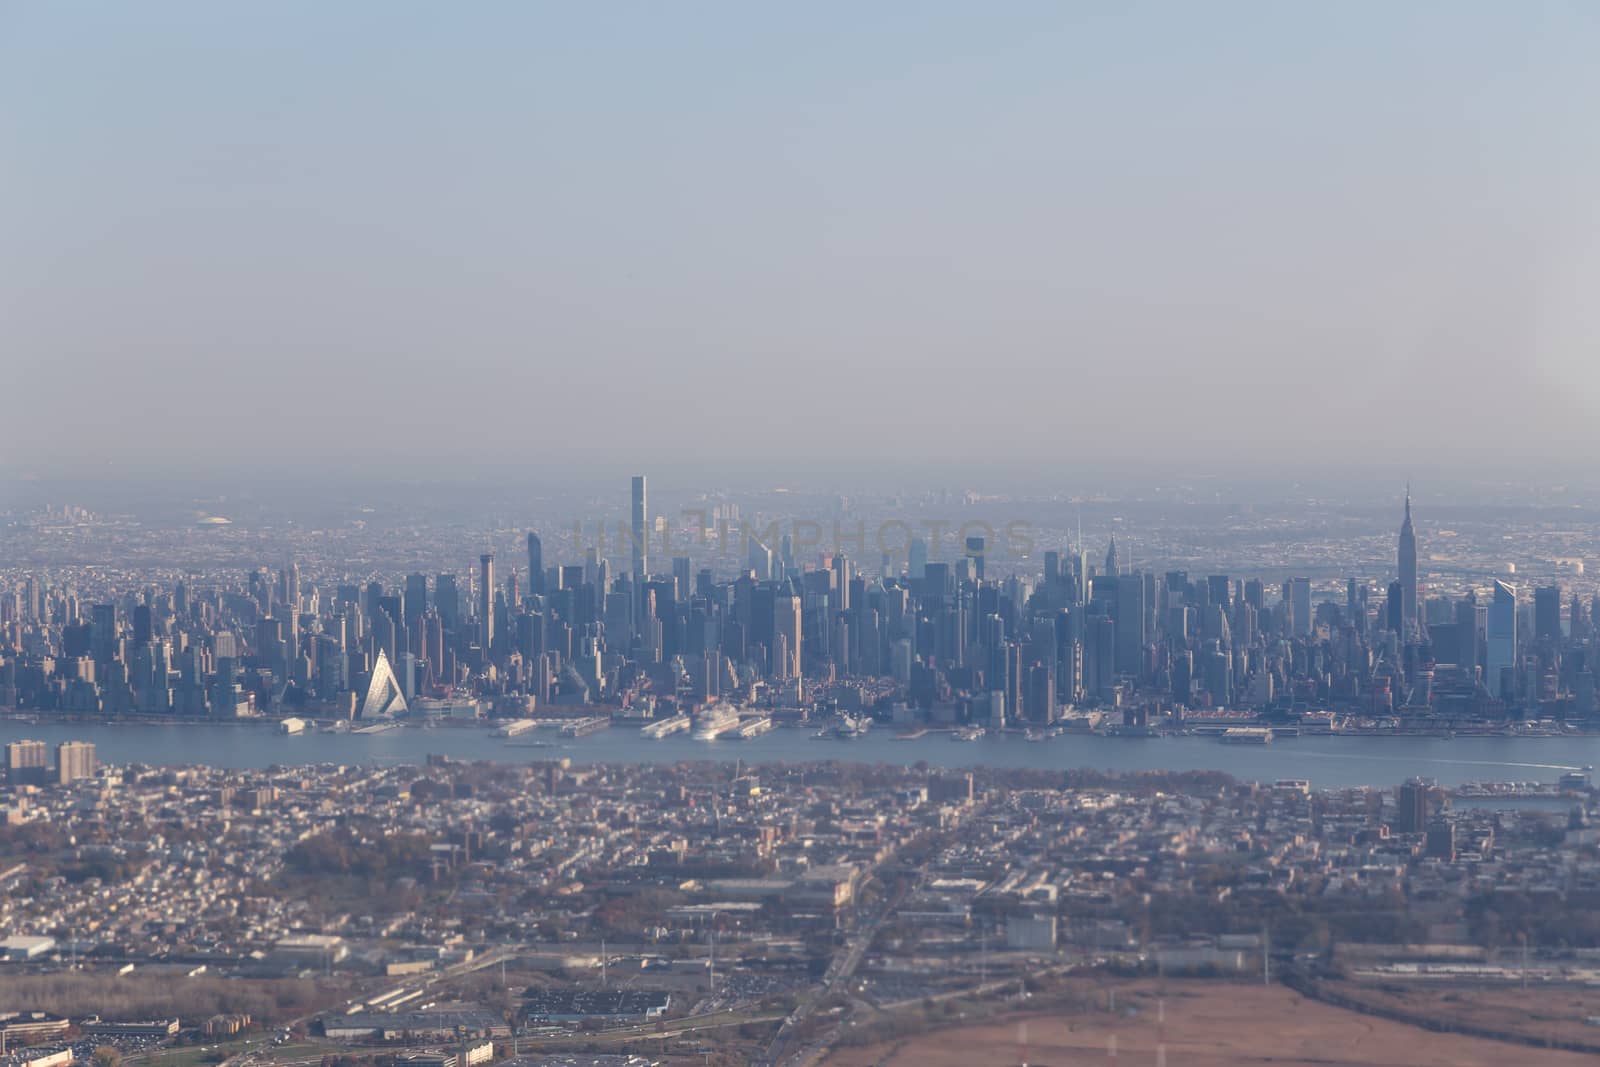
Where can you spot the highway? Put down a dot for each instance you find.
(840, 971)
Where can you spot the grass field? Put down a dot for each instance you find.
(188, 1056)
(1207, 1024)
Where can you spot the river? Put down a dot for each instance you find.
(1327, 762)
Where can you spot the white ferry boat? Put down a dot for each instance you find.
(711, 723)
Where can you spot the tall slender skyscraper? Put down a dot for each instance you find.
(535, 565)
(486, 600)
(416, 602)
(1547, 613)
(1408, 571)
(786, 631)
(641, 512)
(1471, 623)
(103, 633)
(1299, 590)
(447, 601)
(1501, 639)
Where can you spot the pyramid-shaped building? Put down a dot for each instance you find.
(383, 696)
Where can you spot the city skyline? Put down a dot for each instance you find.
(728, 535)
(917, 626)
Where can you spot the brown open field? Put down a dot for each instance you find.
(1542, 1012)
(1207, 1025)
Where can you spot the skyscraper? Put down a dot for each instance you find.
(842, 575)
(760, 559)
(917, 558)
(1469, 626)
(1547, 613)
(1299, 590)
(416, 602)
(103, 633)
(535, 565)
(1408, 571)
(641, 512)
(1412, 817)
(1501, 639)
(447, 602)
(975, 553)
(486, 600)
(786, 629)
(1130, 625)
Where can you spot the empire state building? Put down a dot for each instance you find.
(1408, 572)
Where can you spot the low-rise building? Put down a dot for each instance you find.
(147, 1028)
(26, 1027)
(22, 948)
(41, 1057)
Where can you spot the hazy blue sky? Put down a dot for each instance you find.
(684, 236)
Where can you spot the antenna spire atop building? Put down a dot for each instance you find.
(1408, 571)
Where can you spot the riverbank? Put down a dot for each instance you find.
(1324, 761)
(912, 733)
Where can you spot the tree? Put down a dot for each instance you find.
(106, 1056)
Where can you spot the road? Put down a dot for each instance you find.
(242, 1053)
(840, 971)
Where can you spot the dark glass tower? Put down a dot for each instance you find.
(535, 565)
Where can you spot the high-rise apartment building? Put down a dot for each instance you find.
(75, 760)
(1300, 605)
(27, 762)
(486, 601)
(641, 519)
(1412, 817)
(535, 565)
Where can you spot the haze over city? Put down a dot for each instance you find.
(395, 240)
